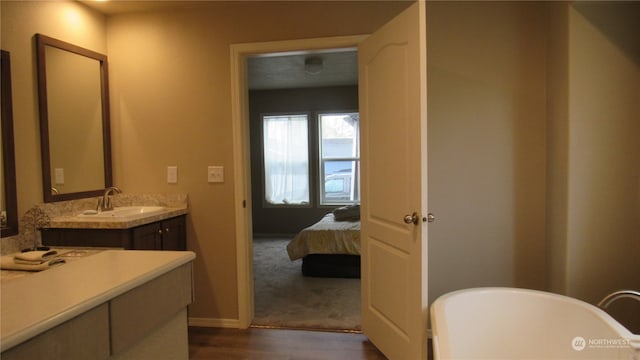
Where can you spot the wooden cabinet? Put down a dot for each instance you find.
(86, 335)
(142, 311)
(163, 235)
(149, 321)
(174, 234)
(167, 234)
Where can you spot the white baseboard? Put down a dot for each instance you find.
(218, 323)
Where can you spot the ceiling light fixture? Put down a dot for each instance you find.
(313, 65)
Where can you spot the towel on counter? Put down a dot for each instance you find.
(34, 257)
(30, 261)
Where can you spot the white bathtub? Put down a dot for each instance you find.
(507, 323)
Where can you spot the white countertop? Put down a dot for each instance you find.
(33, 304)
(69, 254)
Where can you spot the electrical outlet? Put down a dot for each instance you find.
(172, 174)
(59, 175)
(215, 174)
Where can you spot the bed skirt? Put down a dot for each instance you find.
(329, 265)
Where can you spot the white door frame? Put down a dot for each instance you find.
(241, 150)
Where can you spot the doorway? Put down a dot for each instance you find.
(392, 82)
(241, 128)
(290, 179)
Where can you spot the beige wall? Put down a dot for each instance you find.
(534, 158)
(68, 21)
(604, 151)
(171, 105)
(557, 146)
(603, 238)
(486, 138)
(594, 153)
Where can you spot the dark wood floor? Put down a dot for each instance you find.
(277, 344)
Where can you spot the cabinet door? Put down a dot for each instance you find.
(86, 336)
(174, 234)
(142, 311)
(147, 237)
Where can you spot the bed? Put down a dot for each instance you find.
(328, 248)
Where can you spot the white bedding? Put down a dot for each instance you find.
(327, 236)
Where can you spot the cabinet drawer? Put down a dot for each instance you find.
(136, 313)
(84, 237)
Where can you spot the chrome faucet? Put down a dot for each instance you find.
(632, 294)
(104, 203)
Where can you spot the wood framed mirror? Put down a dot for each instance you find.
(73, 98)
(9, 198)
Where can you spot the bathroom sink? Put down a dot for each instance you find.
(123, 213)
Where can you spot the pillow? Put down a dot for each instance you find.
(347, 213)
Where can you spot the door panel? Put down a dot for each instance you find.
(392, 66)
(392, 271)
(173, 234)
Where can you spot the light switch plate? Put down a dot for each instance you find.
(172, 174)
(215, 174)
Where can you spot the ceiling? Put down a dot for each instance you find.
(272, 71)
(288, 71)
(131, 6)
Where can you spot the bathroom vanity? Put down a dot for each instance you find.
(116, 304)
(163, 229)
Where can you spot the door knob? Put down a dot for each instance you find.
(412, 219)
(431, 218)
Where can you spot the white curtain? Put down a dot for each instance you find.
(286, 159)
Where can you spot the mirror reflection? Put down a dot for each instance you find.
(74, 116)
(8, 198)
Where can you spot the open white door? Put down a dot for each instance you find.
(392, 66)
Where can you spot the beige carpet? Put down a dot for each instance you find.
(285, 298)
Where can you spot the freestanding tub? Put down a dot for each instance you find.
(508, 323)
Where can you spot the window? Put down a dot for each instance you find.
(339, 158)
(286, 159)
(333, 175)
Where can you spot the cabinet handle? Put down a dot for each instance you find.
(160, 232)
(166, 230)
